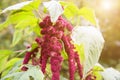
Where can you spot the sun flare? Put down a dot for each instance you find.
(106, 4)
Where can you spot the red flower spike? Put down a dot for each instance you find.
(44, 62)
(55, 62)
(26, 60)
(42, 24)
(80, 69)
(27, 57)
(39, 40)
(70, 53)
(69, 27)
(51, 46)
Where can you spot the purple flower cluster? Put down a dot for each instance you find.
(50, 44)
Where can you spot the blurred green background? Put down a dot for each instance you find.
(108, 15)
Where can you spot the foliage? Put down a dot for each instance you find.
(33, 72)
(110, 74)
(93, 43)
(88, 41)
(23, 15)
(54, 8)
(71, 11)
(4, 54)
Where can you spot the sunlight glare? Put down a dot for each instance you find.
(106, 4)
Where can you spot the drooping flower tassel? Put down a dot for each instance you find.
(26, 60)
(56, 62)
(79, 66)
(27, 57)
(70, 54)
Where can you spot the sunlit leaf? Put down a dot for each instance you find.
(16, 6)
(63, 78)
(32, 21)
(21, 13)
(54, 8)
(27, 5)
(64, 54)
(48, 70)
(17, 17)
(12, 62)
(16, 67)
(11, 66)
(97, 69)
(13, 74)
(33, 46)
(3, 61)
(4, 54)
(18, 34)
(111, 74)
(97, 75)
(93, 42)
(88, 14)
(36, 28)
(80, 50)
(32, 71)
(3, 25)
(70, 9)
(34, 5)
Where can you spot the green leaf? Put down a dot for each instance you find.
(80, 50)
(27, 5)
(70, 10)
(96, 71)
(54, 8)
(3, 25)
(36, 29)
(34, 5)
(30, 21)
(16, 17)
(98, 75)
(20, 15)
(64, 54)
(33, 46)
(33, 71)
(111, 74)
(18, 34)
(93, 42)
(11, 75)
(48, 70)
(11, 62)
(3, 61)
(88, 14)
(4, 54)
(98, 67)
(63, 78)
(16, 6)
